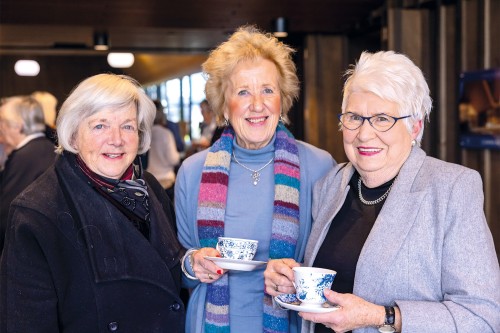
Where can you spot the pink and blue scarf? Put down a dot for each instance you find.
(285, 228)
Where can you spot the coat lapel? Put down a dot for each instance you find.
(390, 229)
(106, 236)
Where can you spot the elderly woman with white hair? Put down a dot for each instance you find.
(405, 232)
(91, 244)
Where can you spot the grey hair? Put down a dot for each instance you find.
(27, 111)
(392, 77)
(49, 104)
(104, 91)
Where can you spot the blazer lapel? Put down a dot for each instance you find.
(390, 229)
(331, 202)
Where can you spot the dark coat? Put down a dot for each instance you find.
(73, 263)
(23, 166)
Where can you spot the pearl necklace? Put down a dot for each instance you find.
(255, 173)
(372, 202)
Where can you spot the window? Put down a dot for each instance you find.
(181, 98)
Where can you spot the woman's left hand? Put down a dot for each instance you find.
(354, 313)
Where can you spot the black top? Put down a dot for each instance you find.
(347, 235)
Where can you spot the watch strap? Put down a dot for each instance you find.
(389, 315)
(390, 318)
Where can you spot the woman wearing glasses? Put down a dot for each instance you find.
(405, 232)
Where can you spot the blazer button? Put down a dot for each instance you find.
(113, 326)
(175, 307)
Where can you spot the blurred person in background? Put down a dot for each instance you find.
(49, 105)
(3, 154)
(208, 126)
(405, 232)
(163, 156)
(176, 131)
(91, 244)
(30, 153)
(207, 129)
(4, 148)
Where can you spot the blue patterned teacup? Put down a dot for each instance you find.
(237, 248)
(310, 282)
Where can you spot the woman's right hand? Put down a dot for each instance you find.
(205, 270)
(278, 276)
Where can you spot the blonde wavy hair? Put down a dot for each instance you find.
(249, 43)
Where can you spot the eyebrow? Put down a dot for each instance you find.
(105, 120)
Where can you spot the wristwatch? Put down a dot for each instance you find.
(390, 318)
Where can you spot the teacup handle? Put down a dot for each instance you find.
(217, 247)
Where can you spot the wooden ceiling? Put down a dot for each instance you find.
(179, 33)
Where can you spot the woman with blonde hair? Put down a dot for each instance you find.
(255, 182)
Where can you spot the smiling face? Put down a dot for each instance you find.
(377, 156)
(108, 141)
(253, 102)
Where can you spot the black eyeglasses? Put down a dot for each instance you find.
(380, 122)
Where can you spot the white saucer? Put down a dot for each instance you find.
(290, 301)
(236, 264)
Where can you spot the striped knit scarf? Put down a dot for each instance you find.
(285, 227)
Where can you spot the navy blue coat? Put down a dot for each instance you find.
(73, 262)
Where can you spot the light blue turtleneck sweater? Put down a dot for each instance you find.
(249, 214)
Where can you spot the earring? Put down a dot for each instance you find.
(281, 118)
(226, 122)
(413, 143)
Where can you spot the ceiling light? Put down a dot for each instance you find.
(280, 27)
(27, 68)
(101, 41)
(120, 60)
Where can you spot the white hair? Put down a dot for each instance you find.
(99, 92)
(26, 111)
(392, 77)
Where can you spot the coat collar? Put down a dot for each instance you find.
(106, 234)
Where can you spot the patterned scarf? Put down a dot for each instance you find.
(285, 228)
(129, 194)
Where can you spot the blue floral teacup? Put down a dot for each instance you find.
(237, 248)
(310, 282)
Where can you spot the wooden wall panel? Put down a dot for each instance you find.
(325, 62)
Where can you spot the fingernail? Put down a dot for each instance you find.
(219, 271)
(218, 256)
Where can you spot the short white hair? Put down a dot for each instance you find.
(392, 77)
(26, 111)
(104, 91)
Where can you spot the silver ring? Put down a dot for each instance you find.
(210, 276)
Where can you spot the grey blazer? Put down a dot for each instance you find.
(430, 251)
